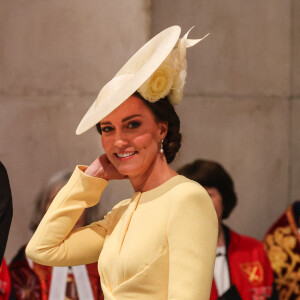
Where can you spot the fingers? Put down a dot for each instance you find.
(101, 167)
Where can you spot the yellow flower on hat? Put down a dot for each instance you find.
(169, 78)
(159, 84)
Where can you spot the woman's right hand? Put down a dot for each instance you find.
(101, 167)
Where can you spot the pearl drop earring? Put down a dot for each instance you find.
(162, 147)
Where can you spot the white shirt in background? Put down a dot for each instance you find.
(221, 271)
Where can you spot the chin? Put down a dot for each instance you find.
(131, 167)
(130, 171)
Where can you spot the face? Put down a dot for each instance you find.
(131, 137)
(216, 198)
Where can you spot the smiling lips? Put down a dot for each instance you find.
(125, 155)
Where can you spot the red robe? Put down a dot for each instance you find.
(34, 283)
(249, 267)
(282, 243)
(5, 282)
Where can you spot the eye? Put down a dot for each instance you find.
(106, 129)
(133, 124)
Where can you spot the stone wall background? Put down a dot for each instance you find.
(241, 104)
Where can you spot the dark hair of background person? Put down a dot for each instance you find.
(212, 174)
(55, 183)
(164, 111)
(6, 209)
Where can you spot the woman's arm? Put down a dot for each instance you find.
(192, 237)
(55, 243)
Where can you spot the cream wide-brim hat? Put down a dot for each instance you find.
(131, 76)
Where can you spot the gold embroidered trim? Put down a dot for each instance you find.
(279, 246)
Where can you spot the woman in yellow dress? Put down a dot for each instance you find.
(161, 243)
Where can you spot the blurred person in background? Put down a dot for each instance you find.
(242, 269)
(6, 212)
(32, 281)
(282, 243)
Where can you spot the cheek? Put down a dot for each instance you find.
(105, 143)
(218, 206)
(146, 141)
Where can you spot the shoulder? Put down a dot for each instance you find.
(186, 186)
(188, 194)
(190, 191)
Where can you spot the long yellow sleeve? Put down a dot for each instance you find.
(192, 233)
(54, 243)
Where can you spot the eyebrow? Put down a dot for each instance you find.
(124, 120)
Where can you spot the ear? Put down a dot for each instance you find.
(163, 130)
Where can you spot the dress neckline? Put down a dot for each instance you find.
(161, 189)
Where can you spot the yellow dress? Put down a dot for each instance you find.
(158, 245)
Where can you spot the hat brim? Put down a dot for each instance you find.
(130, 77)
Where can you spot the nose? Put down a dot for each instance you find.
(120, 139)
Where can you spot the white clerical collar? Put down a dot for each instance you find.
(221, 250)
